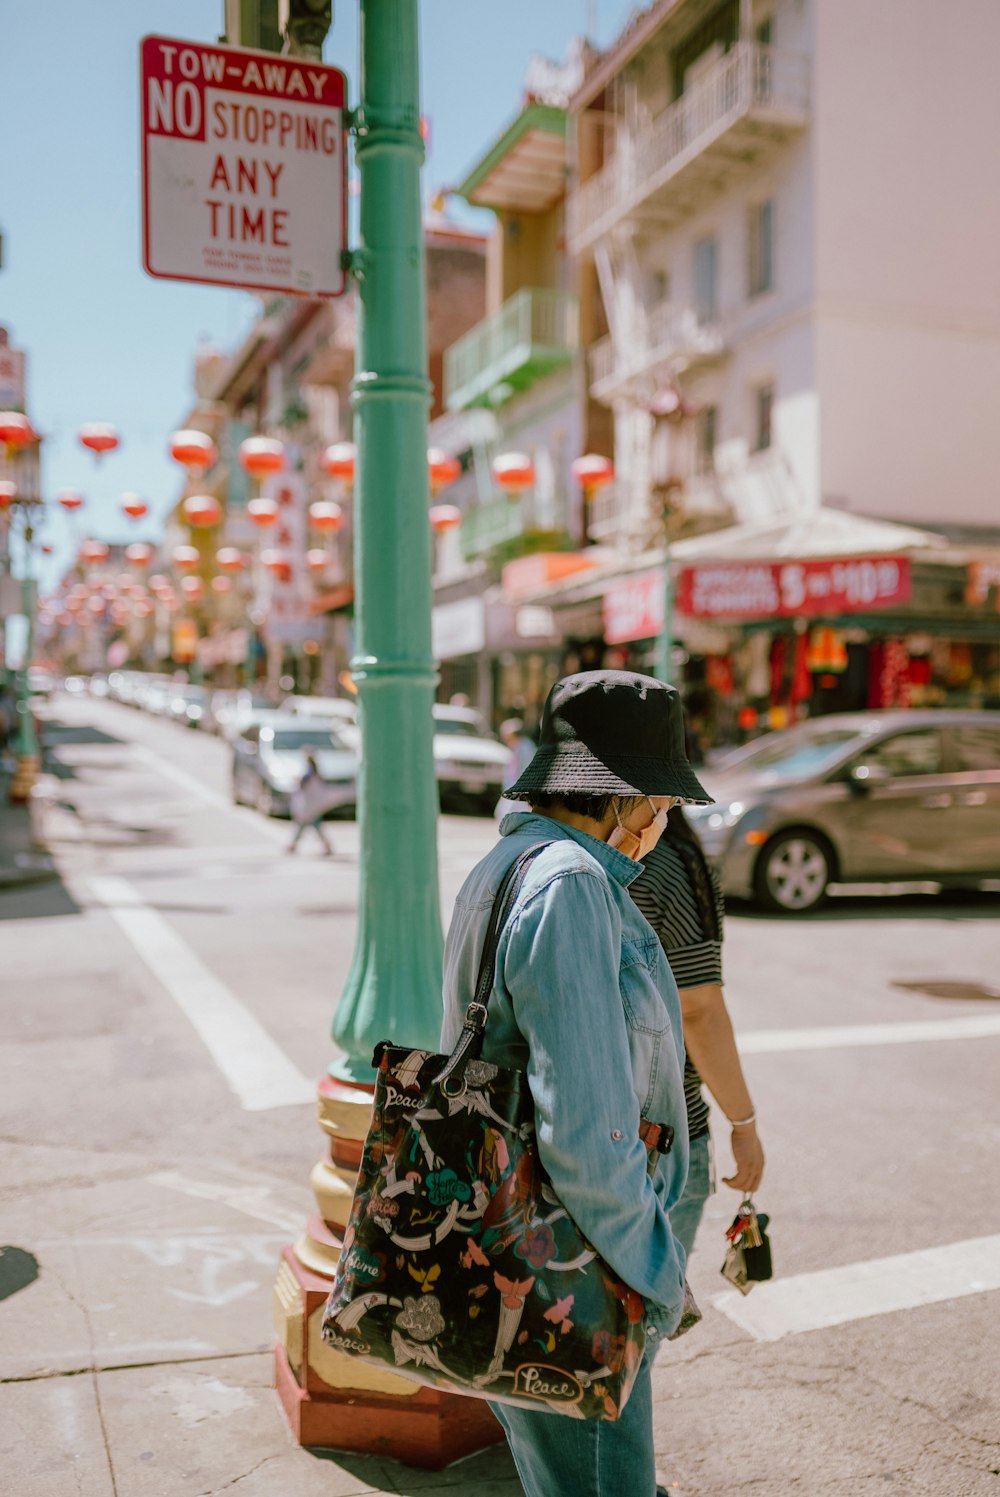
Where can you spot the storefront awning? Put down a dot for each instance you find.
(814, 535)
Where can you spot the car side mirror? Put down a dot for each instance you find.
(866, 776)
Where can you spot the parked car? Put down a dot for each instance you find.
(337, 710)
(866, 797)
(269, 760)
(41, 682)
(186, 704)
(470, 765)
(235, 710)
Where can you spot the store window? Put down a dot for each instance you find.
(908, 754)
(976, 748)
(760, 248)
(763, 411)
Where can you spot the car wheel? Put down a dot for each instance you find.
(792, 873)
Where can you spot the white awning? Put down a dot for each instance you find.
(812, 535)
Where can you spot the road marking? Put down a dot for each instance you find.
(256, 1069)
(838, 1036)
(857, 1291)
(195, 787)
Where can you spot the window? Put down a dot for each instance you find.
(763, 33)
(907, 754)
(976, 748)
(763, 410)
(706, 424)
(760, 248)
(704, 280)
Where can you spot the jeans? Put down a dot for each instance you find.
(686, 1215)
(561, 1457)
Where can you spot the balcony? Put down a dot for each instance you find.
(670, 338)
(534, 333)
(749, 104)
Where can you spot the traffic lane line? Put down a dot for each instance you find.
(255, 1068)
(860, 1291)
(847, 1036)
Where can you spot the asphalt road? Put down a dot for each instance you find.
(153, 1172)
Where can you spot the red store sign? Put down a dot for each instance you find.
(793, 589)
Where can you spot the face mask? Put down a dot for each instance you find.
(638, 845)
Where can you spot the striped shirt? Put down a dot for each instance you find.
(665, 895)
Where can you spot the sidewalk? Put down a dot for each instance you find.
(23, 858)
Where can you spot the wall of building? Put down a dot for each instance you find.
(907, 224)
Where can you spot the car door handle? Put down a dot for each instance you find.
(974, 798)
(936, 802)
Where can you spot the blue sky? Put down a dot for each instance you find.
(104, 341)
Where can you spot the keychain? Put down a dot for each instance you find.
(748, 1259)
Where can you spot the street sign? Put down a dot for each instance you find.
(244, 168)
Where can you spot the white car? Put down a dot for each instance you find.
(470, 765)
(269, 760)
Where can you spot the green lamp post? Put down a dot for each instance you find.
(394, 984)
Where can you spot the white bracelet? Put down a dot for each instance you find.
(743, 1122)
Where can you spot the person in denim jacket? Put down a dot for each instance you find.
(585, 1004)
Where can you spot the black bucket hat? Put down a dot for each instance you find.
(611, 733)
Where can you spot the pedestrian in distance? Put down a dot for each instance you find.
(522, 750)
(585, 1004)
(309, 800)
(679, 894)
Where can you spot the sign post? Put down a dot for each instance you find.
(243, 169)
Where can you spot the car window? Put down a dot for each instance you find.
(907, 754)
(792, 755)
(290, 739)
(976, 748)
(453, 725)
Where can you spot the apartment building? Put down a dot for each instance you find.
(784, 228)
(785, 207)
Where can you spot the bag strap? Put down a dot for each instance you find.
(470, 1042)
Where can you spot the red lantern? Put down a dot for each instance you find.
(443, 467)
(186, 557)
(158, 583)
(593, 472)
(134, 506)
(444, 517)
(142, 609)
(262, 511)
(339, 461)
(262, 455)
(16, 430)
(70, 499)
(229, 559)
(100, 437)
(325, 516)
(317, 560)
(275, 561)
(192, 588)
(222, 584)
(96, 605)
(202, 510)
(140, 555)
(193, 450)
(94, 551)
(8, 493)
(46, 550)
(513, 472)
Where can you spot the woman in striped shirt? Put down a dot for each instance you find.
(679, 895)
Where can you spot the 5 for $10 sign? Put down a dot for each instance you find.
(244, 168)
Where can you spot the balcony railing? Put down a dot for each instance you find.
(667, 335)
(753, 91)
(534, 332)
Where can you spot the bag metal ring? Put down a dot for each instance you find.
(454, 1086)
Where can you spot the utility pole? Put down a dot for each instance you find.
(394, 984)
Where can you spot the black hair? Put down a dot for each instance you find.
(580, 803)
(684, 839)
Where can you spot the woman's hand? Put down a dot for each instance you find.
(749, 1158)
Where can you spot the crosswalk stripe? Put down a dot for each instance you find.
(256, 1068)
(838, 1036)
(857, 1291)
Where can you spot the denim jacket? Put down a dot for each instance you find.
(585, 1004)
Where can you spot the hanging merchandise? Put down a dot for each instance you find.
(779, 653)
(895, 684)
(759, 673)
(801, 679)
(827, 652)
(719, 674)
